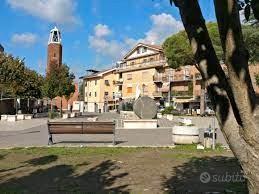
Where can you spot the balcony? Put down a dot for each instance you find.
(157, 94)
(124, 67)
(109, 98)
(119, 82)
(171, 77)
(182, 93)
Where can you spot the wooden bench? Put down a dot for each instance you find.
(96, 127)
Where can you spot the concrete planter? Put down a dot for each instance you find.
(65, 116)
(169, 117)
(140, 124)
(20, 117)
(72, 115)
(4, 117)
(12, 118)
(76, 114)
(159, 115)
(185, 134)
(28, 117)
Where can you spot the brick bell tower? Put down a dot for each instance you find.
(54, 49)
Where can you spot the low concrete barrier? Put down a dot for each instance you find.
(4, 117)
(20, 117)
(28, 117)
(185, 134)
(159, 115)
(66, 116)
(140, 124)
(12, 118)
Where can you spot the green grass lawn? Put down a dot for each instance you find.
(112, 170)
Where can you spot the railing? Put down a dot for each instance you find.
(157, 63)
(119, 82)
(159, 77)
(109, 98)
(182, 93)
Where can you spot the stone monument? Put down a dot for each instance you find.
(146, 109)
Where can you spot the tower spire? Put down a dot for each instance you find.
(55, 36)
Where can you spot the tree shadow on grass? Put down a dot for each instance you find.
(102, 178)
(42, 160)
(206, 174)
(34, 162)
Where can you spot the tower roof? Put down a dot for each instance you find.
(55, 36)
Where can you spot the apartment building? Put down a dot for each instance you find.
(99, 91)
(137, 69)
(144, 70)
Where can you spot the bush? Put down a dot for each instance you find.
(53, 115)
(127, 106)
(168, 110)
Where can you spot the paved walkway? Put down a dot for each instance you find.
(34, 133)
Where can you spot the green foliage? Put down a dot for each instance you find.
(18, 80)
(53, 115)
(167, 110)
(178, 50)
(257, 79)
(127, 106)
(251, 38)
(59, 82)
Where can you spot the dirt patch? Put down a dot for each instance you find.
(106, 170)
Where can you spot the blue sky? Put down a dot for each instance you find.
(95, 33)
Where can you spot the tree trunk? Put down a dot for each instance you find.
(237, 57)
(61, 112)
(51, 106)
(202, 99)
(229, 99)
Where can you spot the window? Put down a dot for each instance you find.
(120, 75)
(144, 49)
(120, 88)
(129, 90)
(106, 93)
(151, 59)
(113, 95)
(54, 54)
(129, 76)
(138, 51)
(144, 60)
(132, 63)
(89, 93)
(95, 82)
(106, 82)
(95, 94)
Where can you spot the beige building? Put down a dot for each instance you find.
(144, 70)
(137, 70)
(99, 90)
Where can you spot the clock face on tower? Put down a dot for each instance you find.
(54, 49)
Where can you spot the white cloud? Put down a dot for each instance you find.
(163, 25)
(101, 43)
(102, 30)
(56, 11)
(25, 39)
